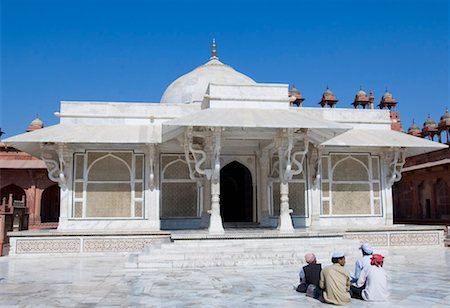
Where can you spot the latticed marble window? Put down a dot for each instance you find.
(108, 185)
(350, 185)
(297, 191)
(179, 193)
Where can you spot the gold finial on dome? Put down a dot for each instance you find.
(214, 51)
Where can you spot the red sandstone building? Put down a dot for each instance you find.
(423, 194)
(24, 176)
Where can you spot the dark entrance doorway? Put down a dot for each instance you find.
(50, 204)
(236, 193)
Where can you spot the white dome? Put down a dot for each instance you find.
(192, 86)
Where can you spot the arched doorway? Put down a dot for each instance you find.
(15, 190)
(236, 193)
(50, 204)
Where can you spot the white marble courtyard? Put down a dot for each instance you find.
(418, 278)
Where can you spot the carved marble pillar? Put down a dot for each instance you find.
(152, 202)
(387, 191)
(215, 221)
(285, 146)
(315, 189)
(65, 202)
(285, 221)
(393, 162)
(263, 203)
(206, 206)
(203, 159)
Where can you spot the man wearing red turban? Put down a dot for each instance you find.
(372, 283)
(377, 260)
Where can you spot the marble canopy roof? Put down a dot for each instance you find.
(383, 138)
(327, 133)
(85, 134)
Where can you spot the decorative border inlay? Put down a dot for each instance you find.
(115, 244)
(410, 239)
(24, 246)
(378, 239)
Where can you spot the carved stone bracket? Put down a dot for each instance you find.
(289, 164)
(396, 161)
(299, 163)
(264, 161)
(56, 157)
(317, 164)
(197, 157)
(215, 159)
(194, 154)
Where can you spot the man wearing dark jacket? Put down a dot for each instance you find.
(310, 276)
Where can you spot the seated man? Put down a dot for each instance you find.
(310, 276)
(372, 283)
(367, 252)
(335, 281)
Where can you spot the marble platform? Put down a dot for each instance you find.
(96, 241)
(419, 277)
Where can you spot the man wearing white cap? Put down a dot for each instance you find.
(362, 262)
(335, 281)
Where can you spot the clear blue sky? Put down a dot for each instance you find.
(131, 50)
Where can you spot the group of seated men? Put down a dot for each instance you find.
(335, 285)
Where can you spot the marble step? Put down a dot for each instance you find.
(216, 253)
(269, 243)
(244, 251)
(213, 263)
(231, 261)
(244, 248)
(255, 242)
(226, 256)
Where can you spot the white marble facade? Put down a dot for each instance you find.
(220, 147)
